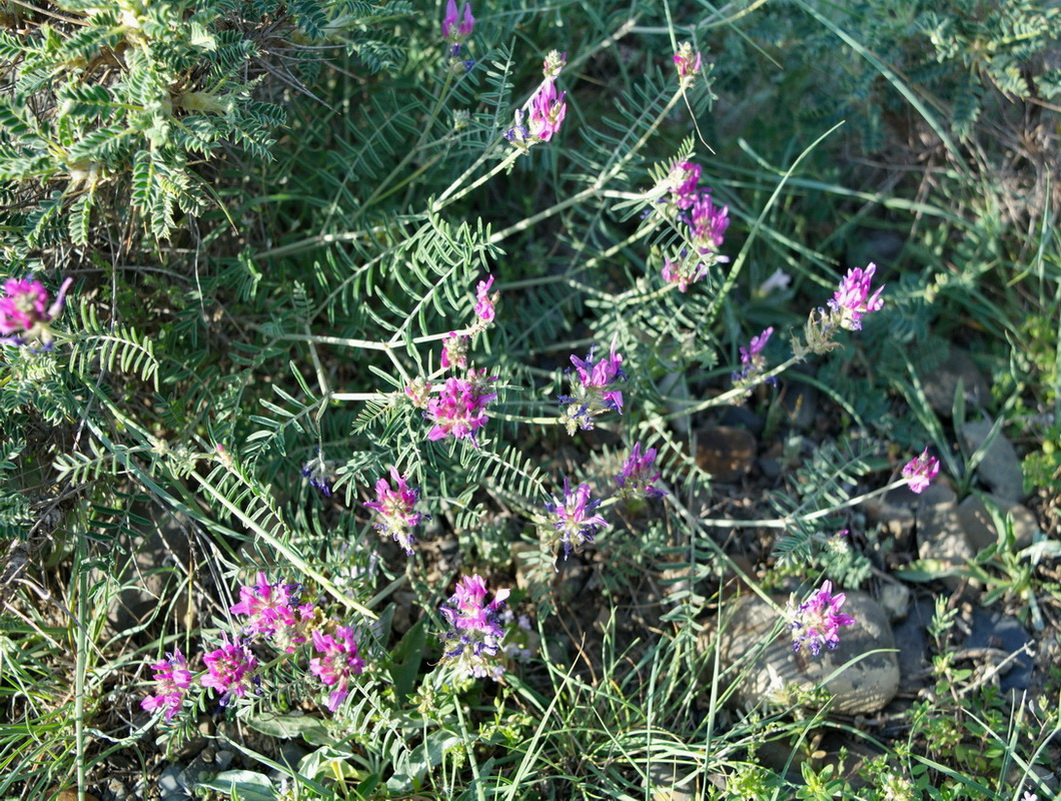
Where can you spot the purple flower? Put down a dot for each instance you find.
(230, 670)
(25, 312)
(592, 392)
(853, 298)
(752, 361)
(338, 664)
(484, 301)
(638, 474)
(459, 409)
(684, 179)
(687, 61)
(752, 356)
(573, 517)
(452, 31)
(395, 508)
(707, 223)
(476, 628)
(546, 114)
(316, 472)
(455, 350)
(920, 471)
(816, 622)
(172, 679)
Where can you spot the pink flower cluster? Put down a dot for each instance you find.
(476, 628)
(275, 616)
(338, 664)
(594, 391)
(460, 408)
(704, 225)
(275, 612)
(25, 311)
(547, 109)
(817, 621)
(394, 508)
(853, 299)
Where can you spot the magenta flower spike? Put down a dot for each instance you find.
(817, 621)
(920, 471)
(25, 313)
(638, 474)
(687, 62)
(172, 680)
(264, 604)
(853, 299)
(338, 664)
(230, 670)
(684, 180)
(547, 112)
(455, 350)
(476, 628)
(683, 271)
(752, 356)
(573, 517)
(457, 27)
(460, 408)
(707, 223)
(484, 301)
(395, 510)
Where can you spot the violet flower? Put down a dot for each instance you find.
(452, 31)
(459, 409)
(338, 664)
(708, 224)
(573, 517)
(230, 670)
(920, 471)
(395, 510)
(638, 474)
(25, 313)
(476, 628)
(172, 680)
(593, 392)
(316, 471)
(683, 180)
(752, 360)
(853, 299)
(816, 622)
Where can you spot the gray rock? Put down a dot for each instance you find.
(1000, 468)
(911, 638)
(940, 535)
(864, 686)
(1003, 633)
(981, 530)
(669, 783)
(941, 383)
(169, 783)
(894, 598)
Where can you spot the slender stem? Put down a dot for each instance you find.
(81, 639)
(736, 392)
(366, 344)
(446, 198)
(359, 396)
(787, 521)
